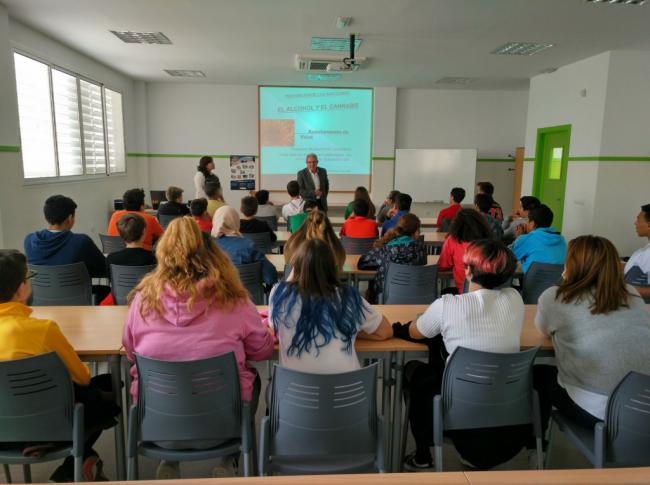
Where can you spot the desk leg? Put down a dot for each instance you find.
(397, 413)
(115, 363)
(387, 383)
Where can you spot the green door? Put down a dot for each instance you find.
(549, 181)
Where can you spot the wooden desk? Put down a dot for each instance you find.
(561, 477)
(337, 221)
(430, 238)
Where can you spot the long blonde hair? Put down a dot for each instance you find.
(316, 226)
(190, 265)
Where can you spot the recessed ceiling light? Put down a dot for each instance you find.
(456, 80)
(184, 73)
(521, 48)
(322, 77)
(331, 44)
(618, 2)
(131, 37)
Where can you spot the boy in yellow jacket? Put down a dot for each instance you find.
(23, 336)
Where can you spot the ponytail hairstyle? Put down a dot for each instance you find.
(407, 225)
(316, 226)
(362, 193)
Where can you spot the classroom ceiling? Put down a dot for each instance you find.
(409, 43)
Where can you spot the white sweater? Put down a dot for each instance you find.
(486, 320)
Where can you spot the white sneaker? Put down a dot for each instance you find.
(227, 467)
(168, 470)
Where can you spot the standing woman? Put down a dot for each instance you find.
(204, 176)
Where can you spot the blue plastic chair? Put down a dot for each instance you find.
(357, 245)
(67, 284)
(166, 219)
(125, 278)
(111, 244)
(538, 278)
(410, 285)
(486, 390)
(272, 221)
(261, 240)
(251, 277)
(623, 439)
(197, 400)
(37, 405)
(322, 424)
(636, 277)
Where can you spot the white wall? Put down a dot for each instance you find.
(20, 202)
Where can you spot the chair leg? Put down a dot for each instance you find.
(405, 429)
(540, 454)
(27, 473)
(246, 457)
(549, 446)
(7, 473)
(438, 457)
(78, 464)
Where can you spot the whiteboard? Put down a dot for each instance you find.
(428, 175)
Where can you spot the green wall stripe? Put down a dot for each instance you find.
(175, 155)
(383, 158)
(609, 158)
(10, 148)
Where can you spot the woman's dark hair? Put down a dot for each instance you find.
(469, 225)
(262, 196)
(486, 187)
(198, 206)
(203, 165)
(131, 227)
(407, 225)
(362, 193)
(133, 199)
(492, 264)
(13, 271)
(58, 208)
(329, 310)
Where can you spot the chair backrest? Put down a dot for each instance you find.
(636, 277)
(357, 245)
(37, 400)
(111, 244)
(410, 285)
(538, 278)
(166, 219)
(487, 390)
(67, 284)
(251, 277)
(194, 400)
(272, 221)
(262, 240)
(158, 196)
(321, 414)
(125, 278)
(628, 422)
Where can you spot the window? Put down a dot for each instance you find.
(69, 126)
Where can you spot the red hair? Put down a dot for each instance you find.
(492, 264)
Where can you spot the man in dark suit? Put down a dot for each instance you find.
(313, 182)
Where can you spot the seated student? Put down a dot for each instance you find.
(215, 198)
(296, 220)
(359, 225)
(134, 204)
(542, 243)
(485, 319)
(58, 245)
(23, 336)
(193, 306)
(402, 206)
(317, 318)
(225, 229)
(600, 331)
(487, 188)
(131, 228)
(641, 257)
(360, 193)
(386, 206)
(515, 224)
(250, 224)
(316, 226)
(400, 245)
(295, 205)
(199, 211)
(483, 203)
(456, 196)
(265, 207)
(468, 226)
(174, 205)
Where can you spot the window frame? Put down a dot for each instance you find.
(78, 77)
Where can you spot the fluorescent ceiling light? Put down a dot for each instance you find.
(521, 48)
(331, 44)
(458, 81)
(322, 77)
(141, 37)
(618, 2)
(184, 73)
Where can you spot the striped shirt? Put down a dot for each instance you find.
(487, 320)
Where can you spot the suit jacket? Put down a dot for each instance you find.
(307, 187)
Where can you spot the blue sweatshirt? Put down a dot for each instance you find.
(243, 251)
(543, 245)
(50, 248)
(392, 221)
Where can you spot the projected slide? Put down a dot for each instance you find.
(334, 123)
